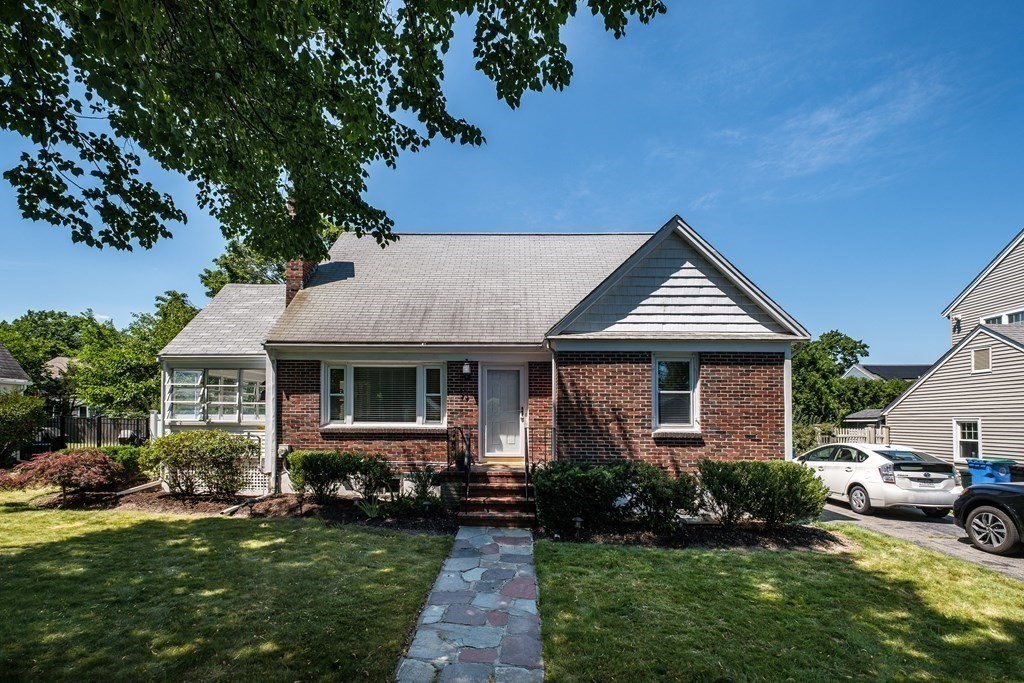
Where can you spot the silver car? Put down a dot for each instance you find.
(872, 476)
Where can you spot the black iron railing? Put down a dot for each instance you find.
(460, 453)
(540, 443)
(94, 432)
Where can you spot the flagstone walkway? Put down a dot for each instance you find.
(481, 621)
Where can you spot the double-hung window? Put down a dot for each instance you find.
(217, 395)
(383, 394)
(968, 438)
(674, 404)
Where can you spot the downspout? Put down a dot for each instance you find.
(788, 397)
(554, 397)
(270, 428)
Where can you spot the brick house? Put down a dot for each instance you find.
(528, 346)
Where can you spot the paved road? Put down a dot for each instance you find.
(942, 535)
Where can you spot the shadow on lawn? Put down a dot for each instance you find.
(726, 615)
(202, 599)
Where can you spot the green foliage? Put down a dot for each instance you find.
(208, 460)
(128, 458)
(274, 110)
(413, 507)
(321, 473)
(726, 489)
(372, 508)
(604, 496)
(788, 493)
(805, 436)
(21, 416)
(772, 492)
(241, 264)
(422, 480)
(819, 392)
(39, 336)
(118, 371)
(373, 477)
(568, 490)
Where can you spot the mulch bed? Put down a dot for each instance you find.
(743, 536)
(158, 501)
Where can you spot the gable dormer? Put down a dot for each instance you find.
(995, 296)
(678, 286)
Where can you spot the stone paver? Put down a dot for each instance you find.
(481, 621)
(941, 535)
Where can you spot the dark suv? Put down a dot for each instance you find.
(992, 515)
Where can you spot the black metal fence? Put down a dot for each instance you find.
(82, 432)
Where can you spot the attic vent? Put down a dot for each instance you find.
(981, 360)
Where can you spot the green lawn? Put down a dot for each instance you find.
(885, 611)
(111, 595)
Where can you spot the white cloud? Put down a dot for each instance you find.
(848, 129)
(707, 200)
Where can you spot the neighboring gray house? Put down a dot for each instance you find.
(12, 376)
(908, 373)
(971, 402)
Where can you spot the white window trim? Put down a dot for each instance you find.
(205, 417)
(421, 402)
(694, 427)
(956, 437)
(983, 371)
(1003, 316)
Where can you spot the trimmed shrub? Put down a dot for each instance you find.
(321, 473)
(87, 469)
(128, 457)
(21, 416)
(786, 493)
(569, 490)
(653, 498)
(422, 480)
(202, 459)
(413, 507)
(726, 489)
(373, 477)
(773, 492)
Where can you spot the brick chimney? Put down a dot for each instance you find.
(296, 274)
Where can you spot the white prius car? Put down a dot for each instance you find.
(874, 476)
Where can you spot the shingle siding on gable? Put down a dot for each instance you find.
(674, 290)
(924, 419)
(1000, 291)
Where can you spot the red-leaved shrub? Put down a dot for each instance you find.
(85, 470)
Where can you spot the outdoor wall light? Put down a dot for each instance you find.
(465, 367)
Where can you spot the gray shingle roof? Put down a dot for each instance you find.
(10, 369)
(450, 288)
(234, 323)
(888, 372)
(1014, 332)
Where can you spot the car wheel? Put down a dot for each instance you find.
(859, 500)
(935, 513)
(992, 530)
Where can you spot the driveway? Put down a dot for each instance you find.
(941, 535)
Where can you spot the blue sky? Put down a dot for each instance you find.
(861, 162)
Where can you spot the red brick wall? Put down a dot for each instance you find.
(539, 391)
(298, 411)
(604, 410)
(298, 422)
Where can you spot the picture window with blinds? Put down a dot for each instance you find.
(383, 394)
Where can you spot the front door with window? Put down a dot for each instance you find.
(503, 411)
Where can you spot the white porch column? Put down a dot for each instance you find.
(788, 393)
(270, 429)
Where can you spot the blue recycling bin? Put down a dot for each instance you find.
(989, 471)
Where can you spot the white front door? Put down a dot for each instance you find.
(503, 411)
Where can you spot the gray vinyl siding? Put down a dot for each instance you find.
(924, 419)
(1000, 291)
(674, 289)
